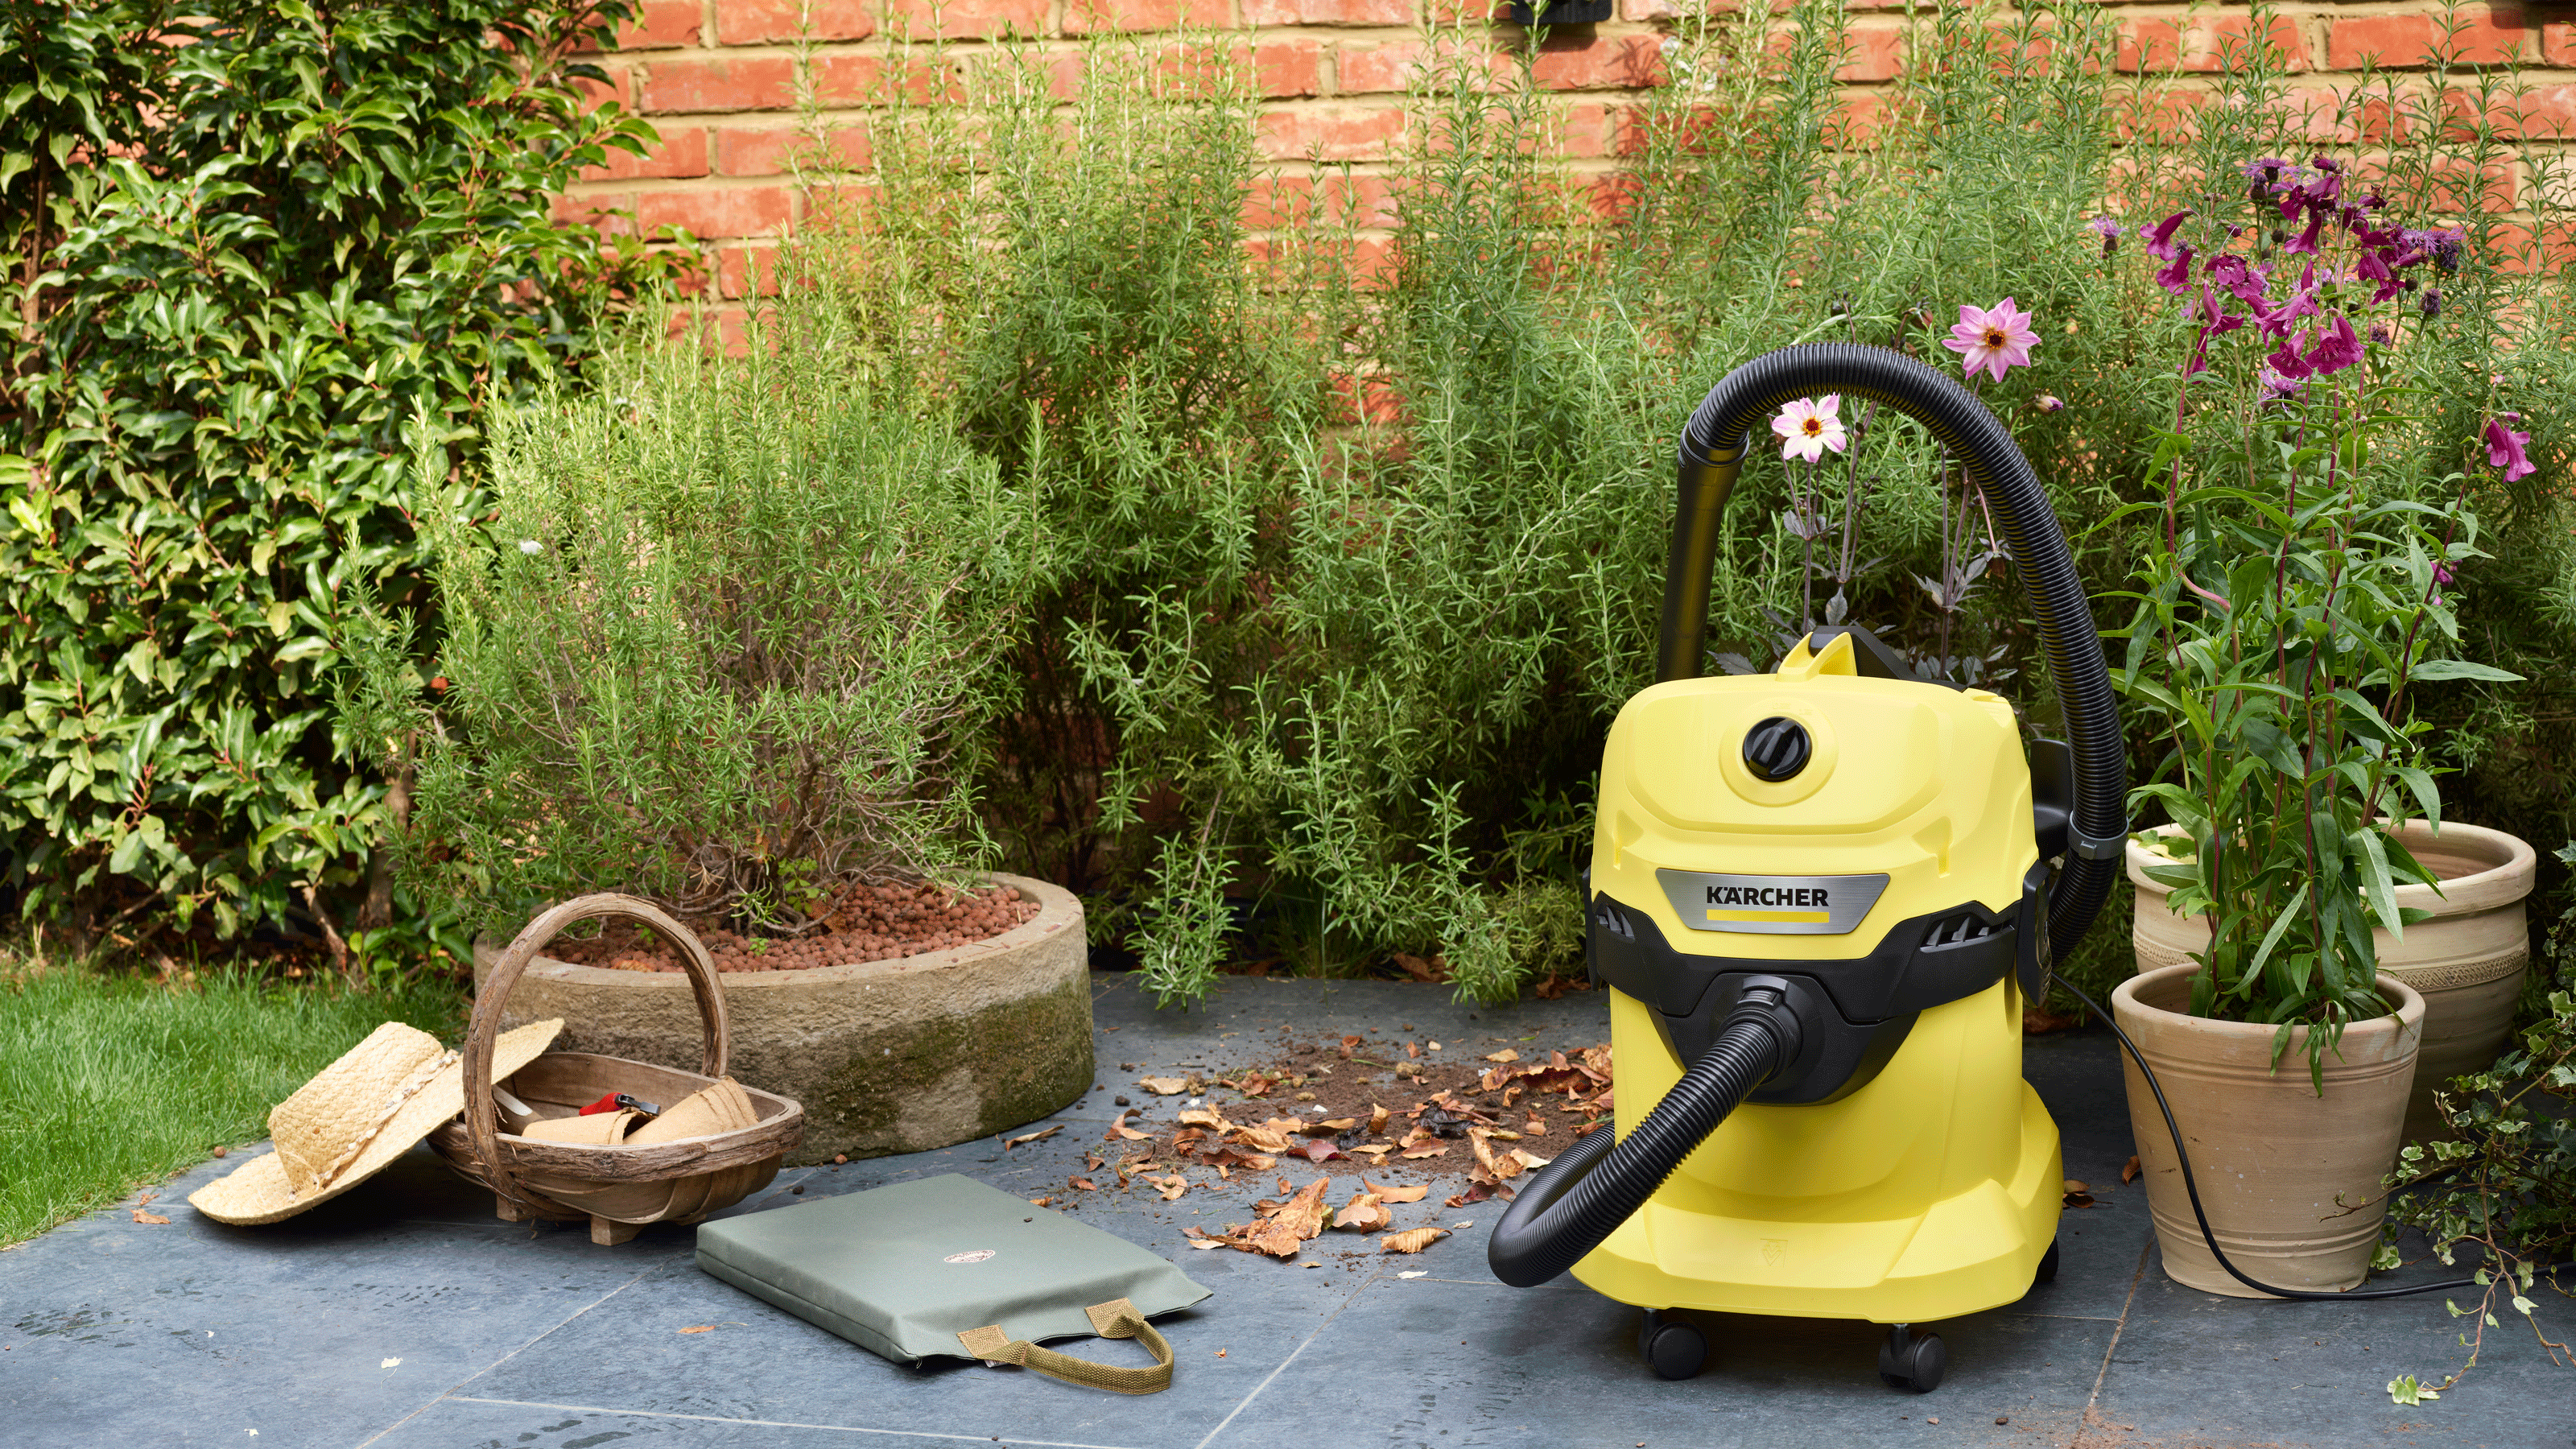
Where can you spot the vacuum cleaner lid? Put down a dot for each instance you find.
(903, 1270)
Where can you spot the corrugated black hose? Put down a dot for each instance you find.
(1569, 1208)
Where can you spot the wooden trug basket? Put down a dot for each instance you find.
(617, 1189)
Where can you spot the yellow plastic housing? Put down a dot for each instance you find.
(1932, 1191)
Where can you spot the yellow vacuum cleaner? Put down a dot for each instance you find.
(1819, 898)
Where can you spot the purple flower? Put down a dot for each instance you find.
(2175, 276)
(2268, 169)
(2279, 387)
(2305, 243)
(2441, 575)
(2432, 303)
(1992, 338)
(2286, 362)
(2231, 272)
(2108, 230)
(2215, 320)
(2505, 447)
(2333, 347)
(2160, 242)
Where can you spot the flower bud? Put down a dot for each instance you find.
(2432, 303)
(2049, 403)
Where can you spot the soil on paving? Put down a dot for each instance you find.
(866, 923)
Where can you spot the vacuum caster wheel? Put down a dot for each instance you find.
(2047, 1265)
(1913, 1361)
(1672, 1350)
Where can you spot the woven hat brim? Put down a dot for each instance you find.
(257, 1191)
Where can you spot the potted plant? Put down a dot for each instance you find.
(723, 633)
(2301, 586)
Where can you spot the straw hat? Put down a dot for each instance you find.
(351, 1121)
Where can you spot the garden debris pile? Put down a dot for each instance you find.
(867, 923)
(1358, 1101)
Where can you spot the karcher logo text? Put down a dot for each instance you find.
(1771, 905)
(1804, 898)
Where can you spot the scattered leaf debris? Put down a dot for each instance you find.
(701, 1328)
(2129, 1171)
(1038, 1136)
(1411, 1242)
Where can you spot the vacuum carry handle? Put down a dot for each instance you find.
(1713, 449)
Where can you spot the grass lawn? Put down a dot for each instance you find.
(109, 1082)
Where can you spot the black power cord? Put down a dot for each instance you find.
(2182, 1155)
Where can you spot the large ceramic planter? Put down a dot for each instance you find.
(2280, 1168)
(886, 1056)
(2467, 959)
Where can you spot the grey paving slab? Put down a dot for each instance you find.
(1434, 1363)
(2194, 1367)
(517, 1335)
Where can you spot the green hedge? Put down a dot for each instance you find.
(285, 248)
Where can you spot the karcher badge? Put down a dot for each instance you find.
(1771, 905)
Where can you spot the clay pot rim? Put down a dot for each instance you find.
(2409, 1002)
(1058, 910)
(2509, 880)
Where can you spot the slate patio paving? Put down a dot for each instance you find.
(404, 1315)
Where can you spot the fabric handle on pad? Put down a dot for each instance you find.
(1116, 1318)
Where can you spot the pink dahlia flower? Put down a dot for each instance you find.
(1992, 338)
(1809, 426)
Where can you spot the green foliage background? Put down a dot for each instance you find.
(253, 246)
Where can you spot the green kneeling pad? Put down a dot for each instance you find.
(950, 1266)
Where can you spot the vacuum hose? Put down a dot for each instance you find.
(1568, 1210)
(1714, 446)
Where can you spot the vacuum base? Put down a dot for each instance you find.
(1977, 1250)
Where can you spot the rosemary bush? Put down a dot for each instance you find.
(728, 639)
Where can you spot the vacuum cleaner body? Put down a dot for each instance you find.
(1868, 844)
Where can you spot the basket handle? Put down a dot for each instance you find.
(481, 1125)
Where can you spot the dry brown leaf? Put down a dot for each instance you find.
(1413, 1049)
(2073, 1186)
(1041, 1202)
(1171, 1187)
(1416, 967)
(1534, 1127)
(1507, 1054)
(1296, 1220)
(1396, 1194)
(1038, 1136)
(1433, 1150)
(1363, 1214)
(1164, 1086)
(1476, 1139)
(1377, 1119)
(1320, 1150)
(1132, 1135)
(1376, 1151)
(2129, 1172)
(141, 1216)
(1350, 1044)
(1210, 1243)
(1083, 1183)
(1337, 1124)
(1204, 1117)
(1527, 1158)
(701, 1328)
(1411, 1242)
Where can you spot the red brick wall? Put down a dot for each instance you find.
(716, 78)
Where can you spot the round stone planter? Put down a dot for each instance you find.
(886, 1056)
(2290, 1179)
(2467, 959)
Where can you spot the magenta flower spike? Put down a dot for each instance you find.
(2505, 447)
(2160, 242)
(1993, 339)
(2334, 347)
(1809, 426)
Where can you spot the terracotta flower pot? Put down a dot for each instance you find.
(2281, 1169)
(2467, 960)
